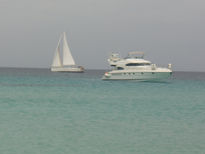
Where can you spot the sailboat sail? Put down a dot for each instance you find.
(67, 57)
(56, 60)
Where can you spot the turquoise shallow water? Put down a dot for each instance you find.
(60, 113)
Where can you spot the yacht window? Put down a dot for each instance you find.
(120, 68)
(137, 64)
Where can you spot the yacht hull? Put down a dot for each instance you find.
(142, 76)
(68, 69)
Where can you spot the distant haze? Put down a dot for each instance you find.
(168, 31)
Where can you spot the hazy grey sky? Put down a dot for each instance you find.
(168, 31)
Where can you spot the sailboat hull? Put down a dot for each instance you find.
(77, 69)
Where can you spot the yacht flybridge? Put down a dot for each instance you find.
(135, 67)
(68, 64)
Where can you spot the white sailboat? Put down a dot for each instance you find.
(68, 64)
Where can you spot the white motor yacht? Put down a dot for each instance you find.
(135, 67)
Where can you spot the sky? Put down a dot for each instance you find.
(167, 31)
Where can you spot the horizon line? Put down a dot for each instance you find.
(13, 67)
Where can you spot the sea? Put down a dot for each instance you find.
(43, 112)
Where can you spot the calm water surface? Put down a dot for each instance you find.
(64, 113)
